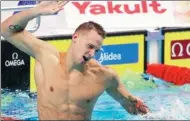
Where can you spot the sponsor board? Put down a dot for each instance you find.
(180, 49)
(127, 14)
(118, 54)
(15, 67)
(177, 48)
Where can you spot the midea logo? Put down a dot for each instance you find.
(108, 56)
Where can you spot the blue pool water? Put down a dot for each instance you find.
(166, 101)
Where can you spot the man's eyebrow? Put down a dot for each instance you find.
(92, 45)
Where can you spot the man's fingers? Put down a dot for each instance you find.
(44, 2)
(144, 109)
(62, 3)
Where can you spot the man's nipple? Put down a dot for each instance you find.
(51, 89)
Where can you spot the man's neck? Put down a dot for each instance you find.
(70, 64)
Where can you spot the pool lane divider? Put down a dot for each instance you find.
(169, 73)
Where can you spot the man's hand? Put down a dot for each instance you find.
(50, 7)
(13, 28)
(141, 107)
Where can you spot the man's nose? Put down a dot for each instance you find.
(92, 53)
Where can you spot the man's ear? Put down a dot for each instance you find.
(74, 37)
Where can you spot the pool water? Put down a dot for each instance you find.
(166, 101)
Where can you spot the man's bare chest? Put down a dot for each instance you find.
(76, 88)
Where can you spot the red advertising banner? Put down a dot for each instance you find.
(180, 49)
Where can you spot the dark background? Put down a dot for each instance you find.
(14, 77)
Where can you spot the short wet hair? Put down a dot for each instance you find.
(91, 25)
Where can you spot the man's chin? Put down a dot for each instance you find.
(82, 61)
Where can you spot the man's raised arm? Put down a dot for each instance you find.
(13, 28)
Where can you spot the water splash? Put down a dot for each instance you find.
(135, 81)
(186, 87)
(174, 109)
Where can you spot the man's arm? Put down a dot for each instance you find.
(13, 28)
(130, 103)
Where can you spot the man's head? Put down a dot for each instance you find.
(86, 41)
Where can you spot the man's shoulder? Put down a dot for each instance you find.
(51, 58)
(93, 63)
(106, 69)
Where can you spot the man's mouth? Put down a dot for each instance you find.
(85, 58)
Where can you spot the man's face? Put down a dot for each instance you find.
(85, 45)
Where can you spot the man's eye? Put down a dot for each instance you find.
(90, 46)
(97, 51)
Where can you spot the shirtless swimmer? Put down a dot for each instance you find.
(68, 85)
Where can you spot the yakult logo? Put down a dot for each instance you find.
(105, 56)
(118, 54)
(119, 8)
(15, 61)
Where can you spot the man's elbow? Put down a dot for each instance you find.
(5, 32)
(9, 30)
